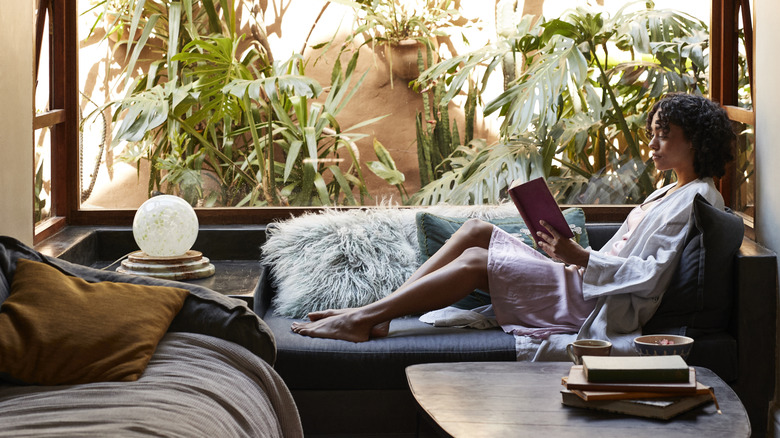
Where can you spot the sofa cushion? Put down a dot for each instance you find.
(327, 364)
(56, 329)
(433, 230)
(339, 259)
(701, 293)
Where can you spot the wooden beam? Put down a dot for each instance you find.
(48, 228)
(741, 115)
(57, 90)
(723, 51)
(724, 70)
(63, 101)
(71, 198)
(48, 119)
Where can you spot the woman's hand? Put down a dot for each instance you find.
(561, 248)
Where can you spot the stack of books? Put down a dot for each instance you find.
(659, 387)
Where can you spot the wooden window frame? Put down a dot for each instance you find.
(64, 123)
(62, 116)
(724, 53)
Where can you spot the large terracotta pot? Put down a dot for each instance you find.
(403, 58)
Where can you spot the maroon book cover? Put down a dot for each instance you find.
(535, 202)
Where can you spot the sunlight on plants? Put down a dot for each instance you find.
(215, 106)
(222, 120)
(577, 88)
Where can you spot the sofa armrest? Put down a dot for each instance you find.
(755, 326)
(263, 292)
(599, 233)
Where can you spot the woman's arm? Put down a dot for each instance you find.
(646, 262)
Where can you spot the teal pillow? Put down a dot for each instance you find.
(434, 230)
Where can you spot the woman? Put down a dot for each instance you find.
(606, 294)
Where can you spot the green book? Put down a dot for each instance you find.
(657, 369)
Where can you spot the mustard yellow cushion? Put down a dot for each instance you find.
(56, 329)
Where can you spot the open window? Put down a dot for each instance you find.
(57, 122)
(731, 84)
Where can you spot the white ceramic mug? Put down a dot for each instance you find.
(588, 347)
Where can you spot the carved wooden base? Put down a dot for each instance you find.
(188, 266)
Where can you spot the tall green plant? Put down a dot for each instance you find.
(213, 107)
(587, 80)
(310, 138)
(435, 140)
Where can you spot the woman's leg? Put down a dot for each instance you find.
(474, 233)
(441, 281)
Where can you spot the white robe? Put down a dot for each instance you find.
(629, 286)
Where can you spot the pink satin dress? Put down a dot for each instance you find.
(534, 295)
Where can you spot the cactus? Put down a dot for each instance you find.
(436, 140)
(424, 152)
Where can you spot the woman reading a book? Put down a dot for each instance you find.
(605, 294)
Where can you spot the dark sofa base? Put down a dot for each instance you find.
(361, 413)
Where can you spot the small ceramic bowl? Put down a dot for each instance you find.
(663, 345)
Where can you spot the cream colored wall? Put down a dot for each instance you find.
(767, 64)
(16, 136)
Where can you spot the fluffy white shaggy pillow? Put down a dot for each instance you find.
(339, 259)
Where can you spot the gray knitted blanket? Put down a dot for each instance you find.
(194, 386)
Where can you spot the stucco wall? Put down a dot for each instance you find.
(767, 64)
(16, 136)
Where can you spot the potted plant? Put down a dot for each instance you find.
(402, 29)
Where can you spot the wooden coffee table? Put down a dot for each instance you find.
(511, 399)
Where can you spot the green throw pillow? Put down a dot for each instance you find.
(434, 230)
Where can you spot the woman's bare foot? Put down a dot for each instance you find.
(378, 331)
(320, 314)
(343, 326)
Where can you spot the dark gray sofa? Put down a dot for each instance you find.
(348, 388)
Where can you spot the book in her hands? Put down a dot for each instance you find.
(535, 202)
(662, 369)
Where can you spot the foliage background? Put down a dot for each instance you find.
(396, 132)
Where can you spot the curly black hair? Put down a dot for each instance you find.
(704, 123)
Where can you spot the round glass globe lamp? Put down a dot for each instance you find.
(165, 226)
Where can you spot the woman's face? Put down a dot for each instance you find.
(671, 150)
